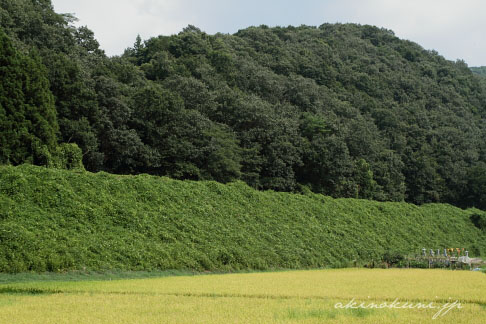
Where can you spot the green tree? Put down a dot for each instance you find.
(366, 186)
(28, 124)
(475, 193)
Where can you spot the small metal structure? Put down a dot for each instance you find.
(453, 258)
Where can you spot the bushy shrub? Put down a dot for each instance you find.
(479, 220)
(392, 258)
(67, 156)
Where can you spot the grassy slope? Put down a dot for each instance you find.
(58, 220)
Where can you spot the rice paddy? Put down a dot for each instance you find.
(317, 296)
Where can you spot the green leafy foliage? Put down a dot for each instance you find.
(343, 109)
(58, 220)
(392, 258)
(28, 124)
(479, 220)
(67, 157)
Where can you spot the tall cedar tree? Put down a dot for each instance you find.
(28, 124)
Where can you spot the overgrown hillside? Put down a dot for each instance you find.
(345, 110)
(57, 220)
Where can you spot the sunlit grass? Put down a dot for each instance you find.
(282, 297)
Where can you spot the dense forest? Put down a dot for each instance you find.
(340, 109)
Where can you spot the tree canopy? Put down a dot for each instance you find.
(341, 109)
(28, 124)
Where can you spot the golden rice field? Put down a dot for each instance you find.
(279, 297)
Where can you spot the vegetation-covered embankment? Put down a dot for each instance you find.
(56, 220)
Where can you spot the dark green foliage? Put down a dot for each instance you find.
(34, 23)
(28, 124)
(479, 220)
(350, 111)
(344, 109)
(423, 264)
(393, 258)
(475, 186)
(183, 143)
(57, 220)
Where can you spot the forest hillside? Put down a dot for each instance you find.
(341, 109)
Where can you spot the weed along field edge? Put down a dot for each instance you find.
(312, 296)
